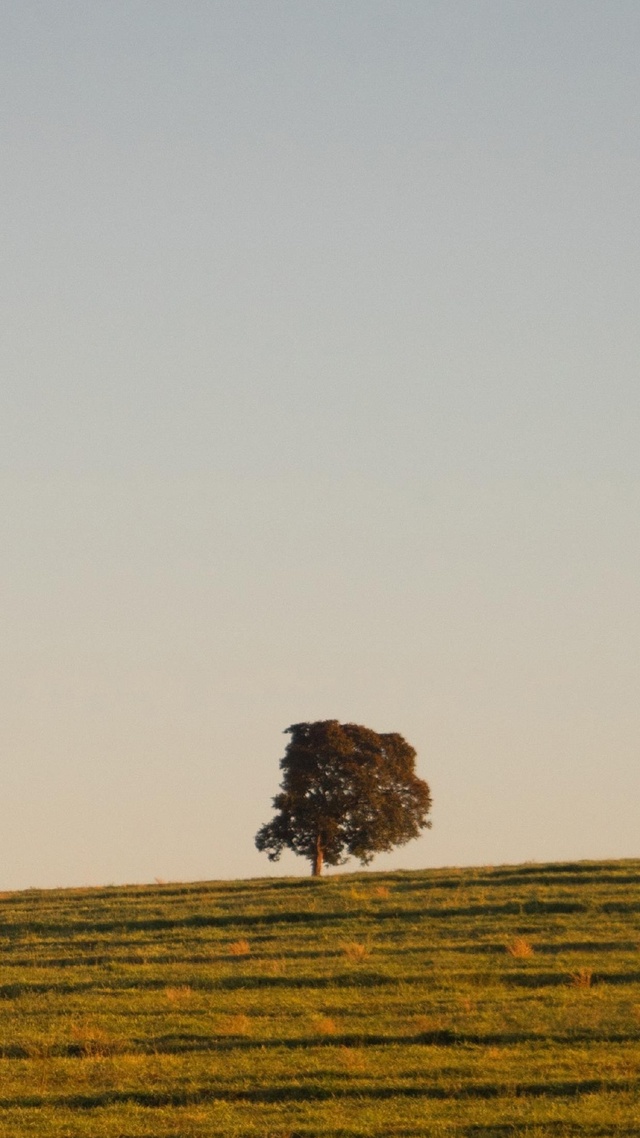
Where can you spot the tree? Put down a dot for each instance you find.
(345, 791)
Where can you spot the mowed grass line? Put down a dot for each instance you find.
(473, 1002)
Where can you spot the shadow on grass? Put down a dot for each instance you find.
(213, 952)
(297, 917)
(558, 979)
(358, 979)
(234, 920)
(180, 1044)
(315, 1092)
(551, 949)
(540, 1129)
(142, 959)
(544, 878)
(559, 868)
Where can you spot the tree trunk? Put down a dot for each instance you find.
(318, 859)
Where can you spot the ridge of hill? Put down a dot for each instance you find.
(481, 1002)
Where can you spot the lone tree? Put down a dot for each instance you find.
(346, 791)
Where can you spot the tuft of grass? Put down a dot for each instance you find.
(236, 1025)
(353, 1059)
(519, 948)
(240, 948)
(355, 952)
(582, 978)
(179, 995)
(92, 1042)
(426, 1025)
(325, 1025)
(274, 967)
(382, 891)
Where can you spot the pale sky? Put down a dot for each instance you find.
(319, 399)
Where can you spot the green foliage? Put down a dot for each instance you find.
(345, 790)
(355, 1006)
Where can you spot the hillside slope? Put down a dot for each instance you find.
(489, 1001)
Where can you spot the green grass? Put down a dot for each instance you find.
(366, 1004)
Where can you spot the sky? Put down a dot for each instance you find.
(318, 400)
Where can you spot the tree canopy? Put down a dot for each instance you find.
(345, 791)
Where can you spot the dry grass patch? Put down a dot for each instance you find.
(519, 948)
(325, 1025)
(352, 1059)
(355, 952)
(236, 1025)
(240, 948)
(180, 995)
(382, 891)
(357, 894)
(274, 967)
(42, 1048)
(92, 1042)
(427, 1025)
(582, 978)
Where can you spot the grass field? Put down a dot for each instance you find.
(478, 1002)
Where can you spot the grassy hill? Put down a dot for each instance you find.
(478, 1002)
